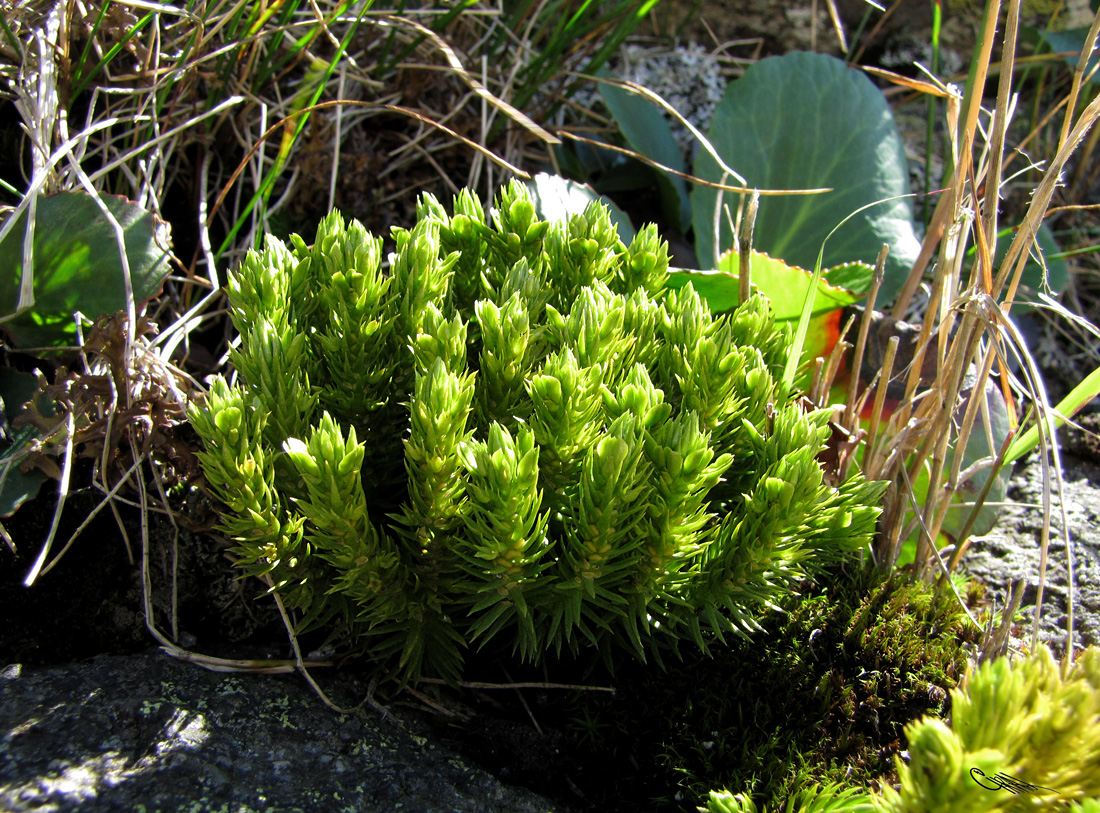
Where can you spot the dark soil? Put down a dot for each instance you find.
(91, 603)
(149, 732)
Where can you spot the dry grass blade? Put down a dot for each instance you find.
(1053, 480)
(1041, 200)
(478, 684)
(996, 641)
(412, 114)
(62, 495)
(744, 248)
(851, 402)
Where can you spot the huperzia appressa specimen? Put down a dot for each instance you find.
(516, 430)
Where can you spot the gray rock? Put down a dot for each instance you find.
(150, 733)
(1012, 551)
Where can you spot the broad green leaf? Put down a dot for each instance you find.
(77, 266)
(557, 198)
(977, 448)
(855, 277)
(809, 121)
(19, 486)
(647, 132)
(785, 285)
(718, 288)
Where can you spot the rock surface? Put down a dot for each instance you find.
(150, 733)
(1013, 550)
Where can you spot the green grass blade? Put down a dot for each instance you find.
(227, 61)
(271, 66)
(932, 116)
(261, 195)
(78, 70)
(800, 333)
(1066, 408)
(389, 63)
(588, 24)
(578, 15)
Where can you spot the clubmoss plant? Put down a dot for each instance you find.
(515, 433)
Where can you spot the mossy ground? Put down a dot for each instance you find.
(823, 693)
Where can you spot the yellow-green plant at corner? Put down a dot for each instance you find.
(1023, 720)
(1022, 736)
(515, 432)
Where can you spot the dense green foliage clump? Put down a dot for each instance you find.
(516, 431)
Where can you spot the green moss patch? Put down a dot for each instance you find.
(823, 694)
